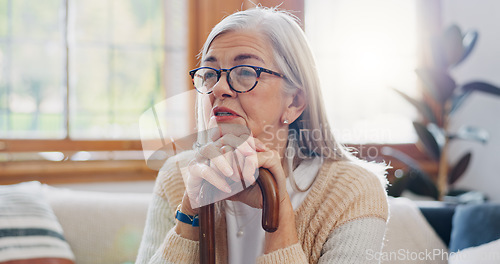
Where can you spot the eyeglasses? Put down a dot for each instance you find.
(241, 78)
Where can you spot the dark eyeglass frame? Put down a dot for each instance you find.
(219, 72)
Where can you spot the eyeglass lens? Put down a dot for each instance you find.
(240, 79)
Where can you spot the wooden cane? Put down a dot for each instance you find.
(207, 234)
(270, 216)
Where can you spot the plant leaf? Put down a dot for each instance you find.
(438, 83)
(421, 184)
(421, 107)
(481, 87)
(427, 139)
(469, 88)
(438, 133)
(457, 101)
(398, 186)
(392, 152)
(459, 168)
(453, 45)
(469, 41)
(415, 179)
(471, 133)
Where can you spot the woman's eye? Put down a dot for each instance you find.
(209, 75)
(246, 73)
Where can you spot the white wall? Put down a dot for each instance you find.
(480, 110)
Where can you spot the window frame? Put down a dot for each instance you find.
(68, 171)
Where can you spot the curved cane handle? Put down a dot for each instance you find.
(271, 202)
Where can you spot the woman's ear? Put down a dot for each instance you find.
(295, 105)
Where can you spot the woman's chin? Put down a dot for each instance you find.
(222, 128)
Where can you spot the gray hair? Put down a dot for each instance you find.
(293, 57)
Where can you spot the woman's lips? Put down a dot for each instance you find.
(224, 118)
(222, 114)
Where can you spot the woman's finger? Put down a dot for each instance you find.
(271, 161)
(249, 139)
(259, 145)
(229, 155)
(193, 184)
(236, 168)
(247, 166)
(250, 168)
(208, 174)
(216, 157)
(242, 143)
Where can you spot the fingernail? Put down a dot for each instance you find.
(228, 171)
(227, 189)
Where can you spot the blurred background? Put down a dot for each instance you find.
(412, 83)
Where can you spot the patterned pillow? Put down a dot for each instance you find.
(29, 230)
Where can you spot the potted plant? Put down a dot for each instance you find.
(440, 100)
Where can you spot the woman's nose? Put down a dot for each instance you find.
(221, 88)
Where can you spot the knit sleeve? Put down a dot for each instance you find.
(364, 195)
(344, 193)
(291, 255)
(160, 243)
(158, 222)
(358, 241)
(359, 233)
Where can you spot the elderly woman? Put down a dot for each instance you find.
(258, 73)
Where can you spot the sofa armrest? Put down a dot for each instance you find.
(409, 233)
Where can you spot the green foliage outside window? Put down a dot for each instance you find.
(108, 56)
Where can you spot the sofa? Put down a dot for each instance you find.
(99, 227)
(106, 228)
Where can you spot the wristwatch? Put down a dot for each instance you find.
(185, 218)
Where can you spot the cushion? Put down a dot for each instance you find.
(101, 227)
(29, 230)
(440, 217)
(409, 237)
(474, 225)
(488, 253)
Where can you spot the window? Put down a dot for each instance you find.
(75, 77)
(87, 69)
(362, 49)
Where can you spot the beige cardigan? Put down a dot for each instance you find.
(343, 191)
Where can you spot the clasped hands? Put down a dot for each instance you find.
(227, 166)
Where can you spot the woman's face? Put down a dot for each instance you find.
(263, 108)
